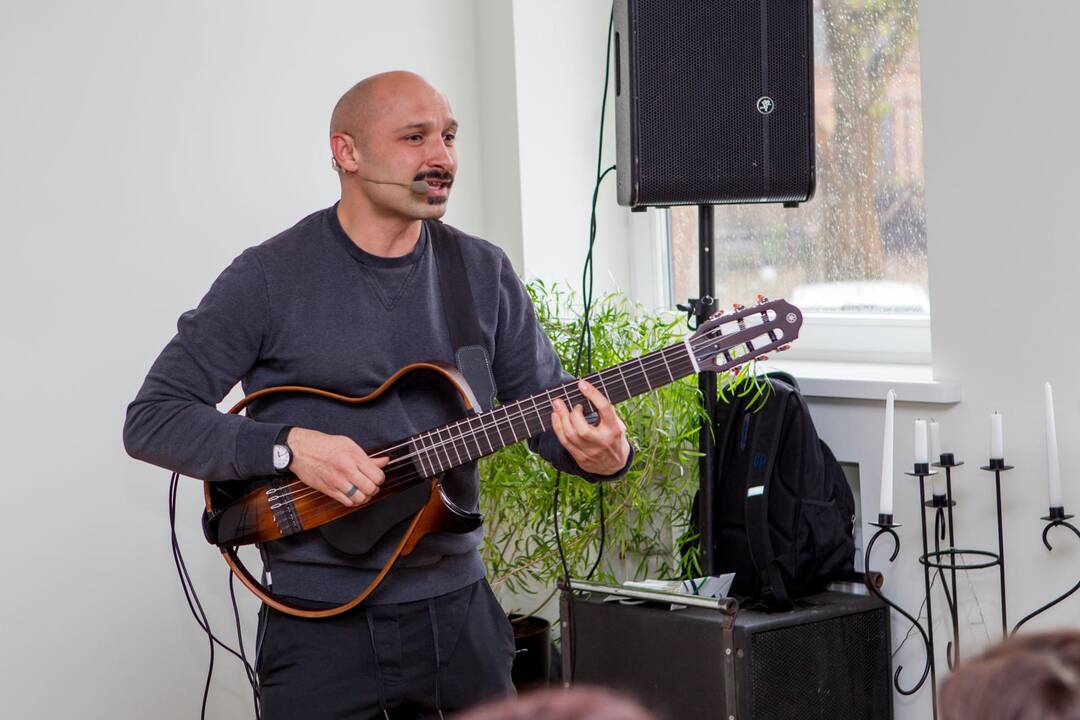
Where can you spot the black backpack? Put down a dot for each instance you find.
(784, 515)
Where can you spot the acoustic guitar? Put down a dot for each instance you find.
(270, 509)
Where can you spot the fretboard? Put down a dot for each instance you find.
(475, 436)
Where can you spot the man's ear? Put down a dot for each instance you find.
(345, 152)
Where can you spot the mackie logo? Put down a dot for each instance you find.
(765, 105)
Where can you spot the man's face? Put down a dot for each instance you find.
(410, 137)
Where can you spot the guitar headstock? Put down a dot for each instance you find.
(727, 340)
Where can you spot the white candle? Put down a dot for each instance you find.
(887, 457)
(935, 456)
(1052, 464)
(997, 441)
(920, 442)
(935, 441)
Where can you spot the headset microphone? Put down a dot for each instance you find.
(419, 187)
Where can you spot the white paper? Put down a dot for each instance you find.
(715, 586)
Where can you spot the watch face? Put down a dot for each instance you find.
(281, 457)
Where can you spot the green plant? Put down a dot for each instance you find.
(645, 512)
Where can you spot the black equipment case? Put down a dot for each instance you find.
(827, 658)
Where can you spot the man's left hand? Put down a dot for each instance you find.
(600, 449)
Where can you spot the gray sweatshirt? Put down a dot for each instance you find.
(309, 307)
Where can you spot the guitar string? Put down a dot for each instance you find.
(510, 417)
(414, 475)
(418, 474)
(515, 421)
(516, 410)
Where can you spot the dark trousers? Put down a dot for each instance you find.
(411, 660)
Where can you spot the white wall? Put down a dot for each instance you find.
(1002, 154)
(497, 81)
(144, 145)
(559, 62)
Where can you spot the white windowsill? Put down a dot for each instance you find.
(867, 381)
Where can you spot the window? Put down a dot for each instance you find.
(854, 258)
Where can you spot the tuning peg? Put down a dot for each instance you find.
(738, 306)
(783, 348)
(763, 358)
(717, 314)
(761, 299)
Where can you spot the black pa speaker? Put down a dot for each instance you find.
(830, 657)
(714, 101)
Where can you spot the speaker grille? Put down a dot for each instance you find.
(698, 70)
(795, 673)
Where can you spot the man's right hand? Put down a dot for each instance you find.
(334, 464)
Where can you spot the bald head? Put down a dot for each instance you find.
(371, 98)
(387, 132)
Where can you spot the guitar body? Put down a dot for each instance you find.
(263, 510)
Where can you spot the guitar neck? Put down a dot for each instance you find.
(476, 436)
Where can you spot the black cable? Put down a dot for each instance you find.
(587, 296)
(592, 240)
(577, 372)
(585, 336)
(587, 275)
(249, 670)
(191, 597)
(600, 554)
(194, 604)
(585, 344)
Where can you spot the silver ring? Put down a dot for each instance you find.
(352, 491)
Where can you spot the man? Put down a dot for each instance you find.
(341, 301)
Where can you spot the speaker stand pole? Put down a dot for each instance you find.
(703, 308)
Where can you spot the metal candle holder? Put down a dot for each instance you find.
(939, 561)
(998, 466)
(1056, 517)
(886, 526)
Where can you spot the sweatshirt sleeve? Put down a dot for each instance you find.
(526, 363)
(173, 422)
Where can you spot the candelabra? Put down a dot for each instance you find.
(944, 562)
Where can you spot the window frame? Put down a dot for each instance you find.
(896, 338)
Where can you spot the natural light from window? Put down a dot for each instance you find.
(858, 249)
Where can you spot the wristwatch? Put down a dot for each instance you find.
(282, 457)
(282, 452)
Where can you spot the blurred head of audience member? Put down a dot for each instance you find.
(577, 703)
(1030, 677)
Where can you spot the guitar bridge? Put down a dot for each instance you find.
(284, 512)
